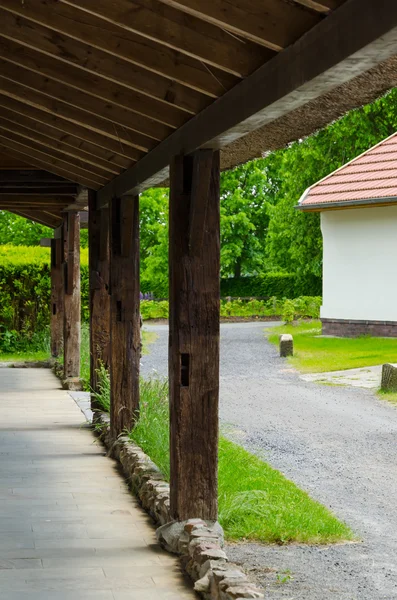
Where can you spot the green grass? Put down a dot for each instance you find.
(388, 396)
(33, 356)
(148, 337)
(256, 502)
(320, 354)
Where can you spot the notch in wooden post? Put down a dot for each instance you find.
(185, 369)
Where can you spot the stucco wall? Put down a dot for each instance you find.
(360, 264)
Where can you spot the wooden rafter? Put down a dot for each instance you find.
(270, 23)
(114, 94)
(111, 117)
(29, 96)
(303, 72)
(115, 151)
(82, 157)
(322, 6)
(181, 32)
(42, 151)
(39, 217)
(98, 41)
(48, 164)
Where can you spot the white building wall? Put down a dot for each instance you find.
(360, 264)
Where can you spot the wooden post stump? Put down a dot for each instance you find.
(194, 257)
(286, 345)
(98, 241)
(56, 298)
(389, 378)
(125, 337)
(72, 302)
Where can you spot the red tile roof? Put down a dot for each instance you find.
(371, 178)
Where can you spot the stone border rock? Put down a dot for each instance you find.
(198, 543)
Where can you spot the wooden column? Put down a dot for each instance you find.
(124, 312)
(71, 328)
(98, 241)
(194, 259)
(56, 298)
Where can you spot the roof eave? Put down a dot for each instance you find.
(370, 202)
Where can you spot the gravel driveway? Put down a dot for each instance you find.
(337, 443)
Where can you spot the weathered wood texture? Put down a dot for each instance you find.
(98, 235)
(194, 257)
(72, 302)
(124, 312)
(56, 299)
(389, 378)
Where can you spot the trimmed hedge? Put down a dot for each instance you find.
(25, 290)
(280, 285)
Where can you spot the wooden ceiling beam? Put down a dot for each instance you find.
(103, 48)
(72, 133)
(303, 72)
(122, 135)
(47, 163)
(13, 190)
(39, 217)
(178, 31)
(82, 157)
(270, 23)
(78, 165)
(321, 6)
(93, 85)
(101, 113)
(30, 176)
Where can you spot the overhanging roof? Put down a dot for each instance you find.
(103, 94)
(368, 180)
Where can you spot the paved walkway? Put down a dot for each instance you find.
(69, 529)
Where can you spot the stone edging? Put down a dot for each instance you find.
(198, 543)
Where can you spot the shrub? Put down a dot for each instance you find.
(280, 285)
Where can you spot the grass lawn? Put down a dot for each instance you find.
(313, 354)
(24, 356)
(256, 502)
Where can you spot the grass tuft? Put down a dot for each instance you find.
(256, 502)
(313, 354)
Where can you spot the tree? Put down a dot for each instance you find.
(247, 192)
(19, 231)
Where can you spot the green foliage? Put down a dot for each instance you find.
(19, 231)
(103, 395)
(25, 290)
(154, 310)
(288, 311)
(282, 285)
(247, 192)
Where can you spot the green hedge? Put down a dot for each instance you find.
(281, 285)
(25, 294)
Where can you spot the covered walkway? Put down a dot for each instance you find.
(69, 528)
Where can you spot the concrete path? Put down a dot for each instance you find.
(69, 528)
(366, 377)
(338, 443)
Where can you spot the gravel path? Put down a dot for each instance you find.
(337, 443)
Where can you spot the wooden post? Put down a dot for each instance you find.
(194, 258)
(56, 299)
(98, 241)
(71, 329)
(124, 312)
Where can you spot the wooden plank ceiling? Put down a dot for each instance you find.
(88, 87)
